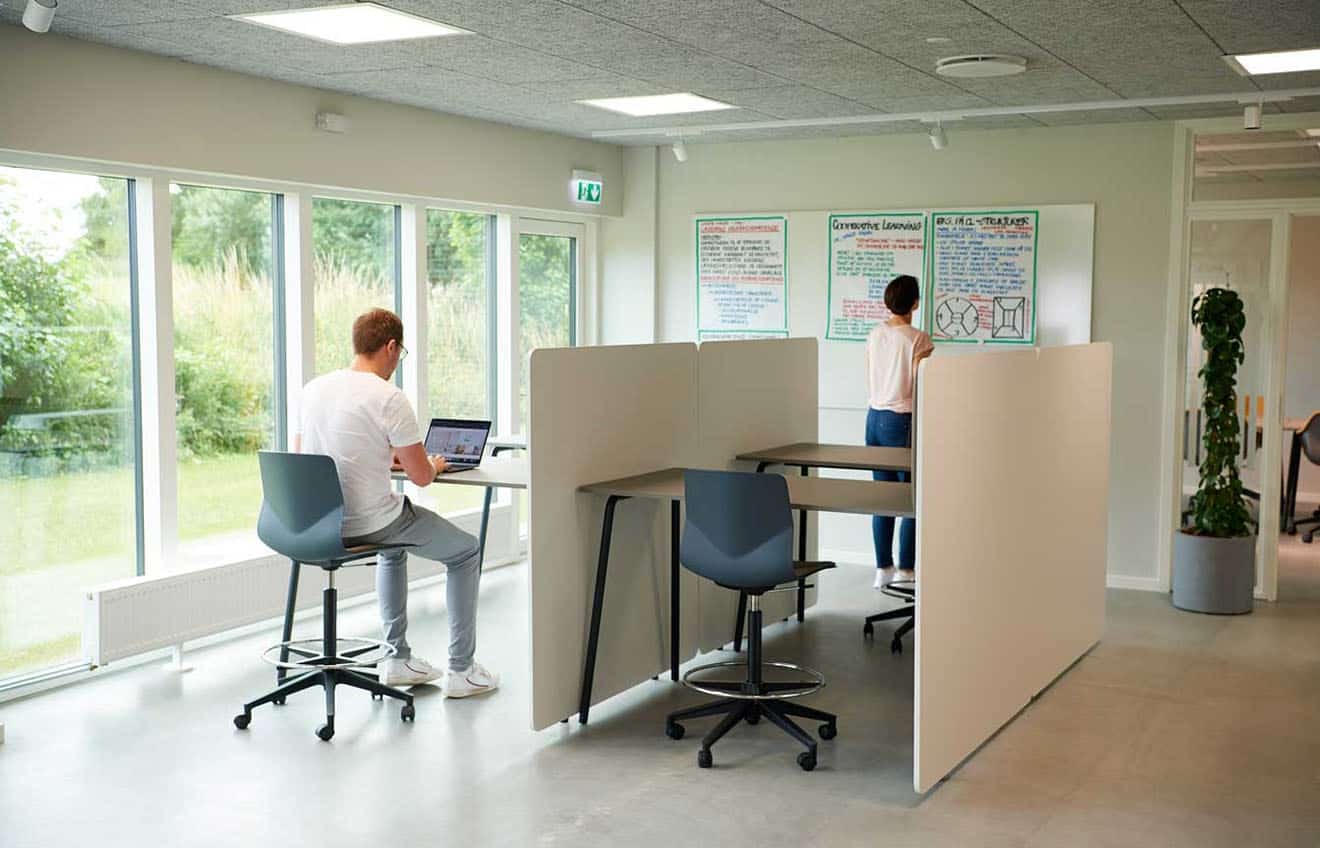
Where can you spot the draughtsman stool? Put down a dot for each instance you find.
(302, 514)
(905, 591)
(739, 534)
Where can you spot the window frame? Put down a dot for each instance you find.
(150, 253)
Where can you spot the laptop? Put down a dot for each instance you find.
(461, 442)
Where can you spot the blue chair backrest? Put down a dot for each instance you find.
(739, 529)
(302, 507)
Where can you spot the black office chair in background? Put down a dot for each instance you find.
(905, 591)
(1310, 443)
(739, 534)
(302, 513)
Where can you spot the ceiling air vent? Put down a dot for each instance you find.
(980, 67)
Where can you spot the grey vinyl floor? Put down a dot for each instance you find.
(1176, 730)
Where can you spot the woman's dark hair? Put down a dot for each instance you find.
(902, 294)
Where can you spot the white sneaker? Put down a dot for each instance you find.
(409, 672)
(477, 680)
(906, 574)
(883, 577)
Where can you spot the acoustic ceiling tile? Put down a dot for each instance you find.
(1250, 27)
(593, 89)
(795, 101)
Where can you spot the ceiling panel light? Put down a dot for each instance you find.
(351, 23)
(658, 104)
(1280, 62)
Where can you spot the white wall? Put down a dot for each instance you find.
(1301, 394)
(1126, 170)
(627, 256)
(64, 97)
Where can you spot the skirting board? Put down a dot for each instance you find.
(1141, 584)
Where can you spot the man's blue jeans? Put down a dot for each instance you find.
(892, 430)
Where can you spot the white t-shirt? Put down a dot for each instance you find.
(358, 419)
(892, 352)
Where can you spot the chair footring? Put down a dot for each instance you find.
(747, 690)
(311, 658)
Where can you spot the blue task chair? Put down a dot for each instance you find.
(739, 534)
(302, 513)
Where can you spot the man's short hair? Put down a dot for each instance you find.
(374, 329)
(902, 294)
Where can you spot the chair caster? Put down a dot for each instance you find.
(242, 720)
(326, 731)
(896, 646)
(1292, 531)
(1307, 538)
(376, 696)
(704, 758)
(807, 760)
(828, 731)
(279, 702)
(753, 718)
(674, 730)
(868, 629)
(408, 712)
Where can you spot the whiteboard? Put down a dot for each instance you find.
(1063, 299)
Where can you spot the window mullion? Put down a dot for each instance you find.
(299, 305)
(159, 457)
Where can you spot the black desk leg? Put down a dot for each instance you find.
(802, 557)
(674, 633)
(485, 525)
(1294, 469)
(290, 604)
(597, 607)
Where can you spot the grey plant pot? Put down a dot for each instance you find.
(1214, 575)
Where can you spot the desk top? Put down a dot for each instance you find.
(517, 441)
(819, 494)
(1294, 424)
(858, 457)
(495, 472)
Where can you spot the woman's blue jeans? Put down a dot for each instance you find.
(892, 430)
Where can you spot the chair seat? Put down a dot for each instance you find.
(801, 571)
(355, 553)
(805, 569)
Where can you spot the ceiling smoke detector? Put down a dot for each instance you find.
(980, 67)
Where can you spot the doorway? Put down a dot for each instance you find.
(1299, 561)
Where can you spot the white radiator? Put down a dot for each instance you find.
(144, 614)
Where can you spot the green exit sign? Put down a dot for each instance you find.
(587, 188)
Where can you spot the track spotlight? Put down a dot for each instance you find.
(1251, 117)
(38, 14)
(680, 150)
(938, 139)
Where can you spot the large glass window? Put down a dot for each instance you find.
(458, 275)
(67, 434)
(547, 289)
(356, 269)
(224, 365)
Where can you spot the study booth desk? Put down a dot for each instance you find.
(495, 472)
(814, 494)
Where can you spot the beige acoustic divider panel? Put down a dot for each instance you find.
(600, 413)
(753, 395)
(1012, 474)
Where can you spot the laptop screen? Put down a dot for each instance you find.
(457, 440)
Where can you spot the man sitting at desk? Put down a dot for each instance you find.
(365, 424)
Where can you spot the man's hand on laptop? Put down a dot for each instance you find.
(439, 463)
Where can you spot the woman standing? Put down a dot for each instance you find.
(893, 350)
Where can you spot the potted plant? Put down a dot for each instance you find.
(1214, 556)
